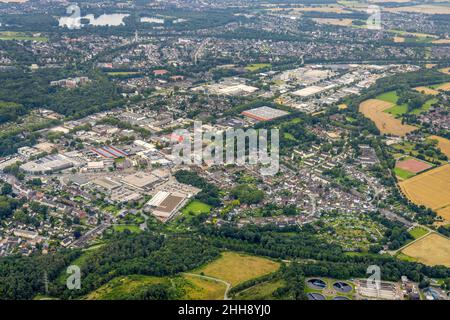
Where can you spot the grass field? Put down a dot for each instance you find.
(403, 174)
(443, 144)
(21, 36)
(374, 109)
(197, 288)
(257, 66)
(262, 291)
(418, 232)
(186, 287)
(390, 96)
(123, 287)
(123, 227)
(404, 257)
(432, 250)
(236, 268)
(196, 207)
(398, 110)
(431, 189)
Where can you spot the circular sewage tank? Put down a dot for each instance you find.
(316, 284)
(340, 298)
(315, 296)
(342, 287)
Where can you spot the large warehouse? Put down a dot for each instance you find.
(264, 113)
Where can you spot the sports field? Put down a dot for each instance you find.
(431, 189)
(236, 268)
(443, 144)
(385, 122)
(431, 250)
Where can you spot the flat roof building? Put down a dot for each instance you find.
(264, 113)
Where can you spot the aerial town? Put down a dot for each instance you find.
(91, 110)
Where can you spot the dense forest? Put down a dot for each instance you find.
(31, 90)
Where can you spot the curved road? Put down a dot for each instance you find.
(225, 296)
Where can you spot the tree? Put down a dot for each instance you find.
(6, 189)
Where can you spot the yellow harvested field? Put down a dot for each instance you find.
(430, 65)
(426, 90)
(431, 250)
(443, 144)
(431, 189)
(385, 122)
(422, 8)
(444, 87)
(445, 70)
(399, 39)
(444, 213)
(236, 268)
(203, 289)
(441, 41)
(342, 106)
(334, 22)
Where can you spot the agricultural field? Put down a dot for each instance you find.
(441, 41)
(444, 87)
(235, 268)
(445, 70)
(413, 165)
(374, 109)
(431, 189)
(334, 22)
(427, 90)
(443, 144)
(431, 250)
(423, 8)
